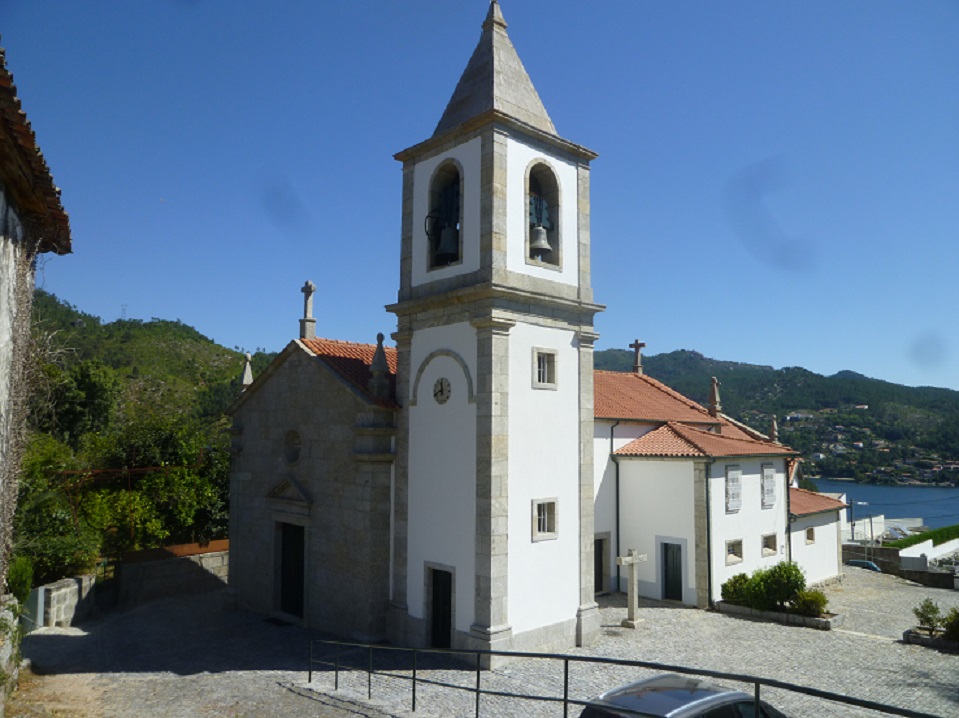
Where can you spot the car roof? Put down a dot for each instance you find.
(669, 696)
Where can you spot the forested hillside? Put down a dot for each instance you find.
(127, 447)
(846, 425)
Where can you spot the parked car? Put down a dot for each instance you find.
(869, 565)
(674, 696)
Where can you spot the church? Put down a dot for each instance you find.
(444, 492)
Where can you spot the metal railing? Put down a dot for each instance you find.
(475, 657)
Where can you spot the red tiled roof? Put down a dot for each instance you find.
(25, 175)
(352, 362)
(805, 503)
(621, 395)
(677, 440)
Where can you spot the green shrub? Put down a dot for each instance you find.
(937, 536)
(950, 625)
(20, 578)
(783, 583)
(757, 592)
(928, 615)
(734, 590)
(810, 603)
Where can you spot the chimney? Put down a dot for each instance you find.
(308, 323)
(637, 347)
(774, 430)
(379, 371)
(715, 406)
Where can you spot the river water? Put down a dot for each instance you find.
(937, 506)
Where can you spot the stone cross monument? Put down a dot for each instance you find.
(637, 347)
(308, 323)
(632, 599)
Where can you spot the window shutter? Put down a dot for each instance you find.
(734, 491)
(769, 486)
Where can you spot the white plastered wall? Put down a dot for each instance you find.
(656, 507)
(518, 159)
(467, 156)
(442, 467)
(750, 523)
(544, 463)
(820, 560)
(604, 478)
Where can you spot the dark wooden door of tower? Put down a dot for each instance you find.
(292, 554)
(672, 571)
(441, 613)
(598, 565)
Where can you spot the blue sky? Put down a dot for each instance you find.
(778, 182)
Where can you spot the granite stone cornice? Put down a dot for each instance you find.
(499, 121)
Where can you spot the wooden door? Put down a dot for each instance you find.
(441, 611)
(672, 571)
(292, 555)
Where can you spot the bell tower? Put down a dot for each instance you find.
(493, 497)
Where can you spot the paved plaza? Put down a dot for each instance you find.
(188, 656)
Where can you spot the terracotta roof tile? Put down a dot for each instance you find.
(25, 174)
(677, 440)
(805, 503)
(622, 395)
(352, 362)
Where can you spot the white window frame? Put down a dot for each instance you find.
(734, 488)
(544, 368)
(734, 552)
(545, 519)
(770, 545)
(768, 485)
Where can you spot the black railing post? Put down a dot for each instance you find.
(478, 669)
(309, 677)
(414, 680)
(336, 672)
(565, 687)
(369, 676)
(756, 703)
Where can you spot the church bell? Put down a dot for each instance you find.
(538, 241)
(449, 246)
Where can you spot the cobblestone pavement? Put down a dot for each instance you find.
(188, 657)
(864, 659)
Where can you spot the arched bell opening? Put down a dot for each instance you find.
(443, 222)
(543, 237)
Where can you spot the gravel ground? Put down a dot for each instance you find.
(190, 657)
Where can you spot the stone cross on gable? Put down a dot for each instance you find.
(637, 347)
(308, 323)
(632, 600)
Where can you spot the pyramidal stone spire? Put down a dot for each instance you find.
(495, 79)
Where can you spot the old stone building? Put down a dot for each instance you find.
(453, 507)
(32, 221)
(444, 493)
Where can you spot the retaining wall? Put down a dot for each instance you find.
(68, 601)
(147, 580)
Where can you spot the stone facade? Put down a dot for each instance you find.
(333, 481)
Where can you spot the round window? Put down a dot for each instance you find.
(291, 446)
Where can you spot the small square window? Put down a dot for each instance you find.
(734, 552)
(769, 545)
(544, 519)
(810, 535)
(544, 368)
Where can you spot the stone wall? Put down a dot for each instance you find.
(889, 561)
(148, 580)
(9, 649)
(68, 601)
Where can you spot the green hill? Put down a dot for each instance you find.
(907, 430)
(165, 367)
